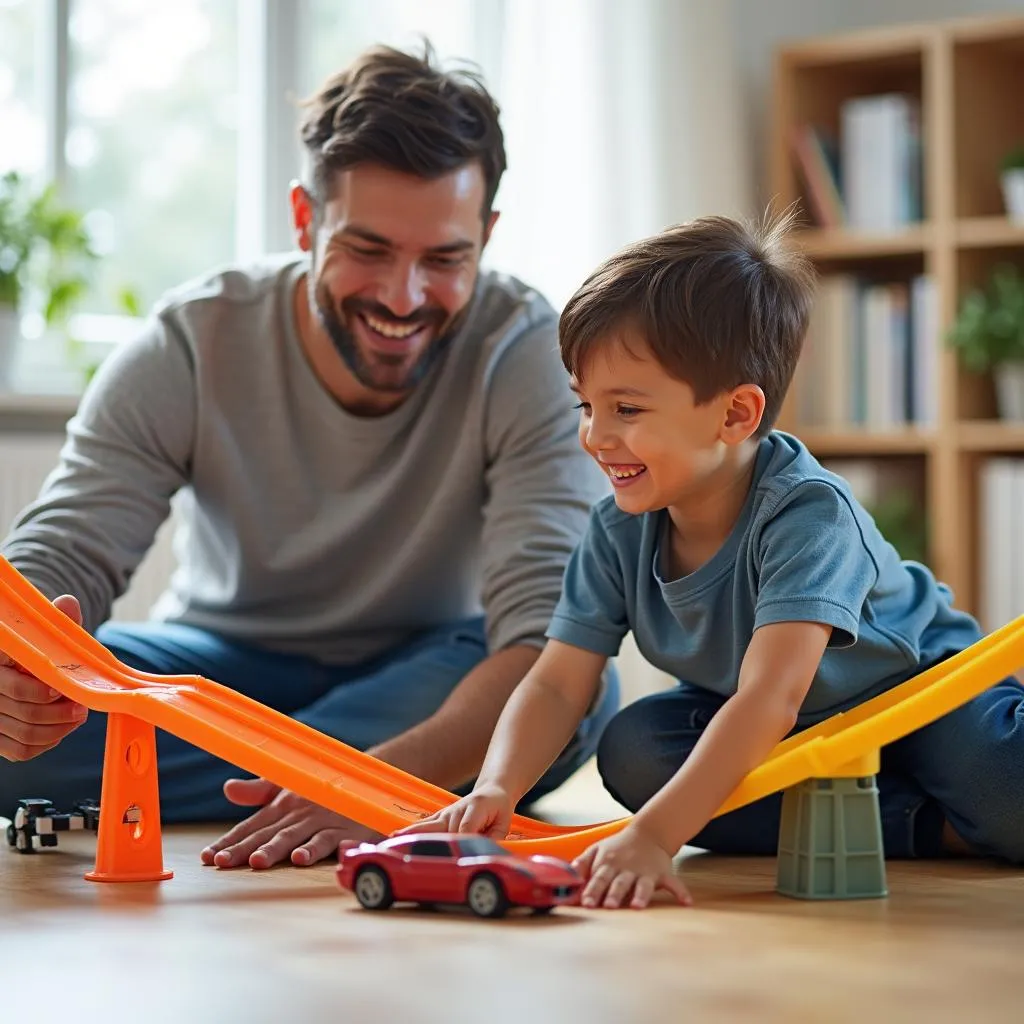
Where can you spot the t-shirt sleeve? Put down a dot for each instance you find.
(128, 450)
(591, 612)
(814, 563)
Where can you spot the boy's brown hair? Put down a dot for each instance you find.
(401, 110)
(719, 302)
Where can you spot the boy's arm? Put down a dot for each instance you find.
(777, 671)
(541, 717)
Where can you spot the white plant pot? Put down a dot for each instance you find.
(1013, 194)
(10, 337)
(1009, 378)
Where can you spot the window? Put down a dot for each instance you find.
(173, 127)
(338, 32)
(151, 148)
(430, 848)
(481, 847)
(23, 140)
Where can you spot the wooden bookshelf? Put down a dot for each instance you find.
(967, 77)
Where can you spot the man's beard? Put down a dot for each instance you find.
(382, 371)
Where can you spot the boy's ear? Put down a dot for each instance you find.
(743, 413)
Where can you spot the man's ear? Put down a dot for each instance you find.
(302, 216)
(492, 219)
(744, 411)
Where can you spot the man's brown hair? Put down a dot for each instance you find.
(718, 301)
(404, 112)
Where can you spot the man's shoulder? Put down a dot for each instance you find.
(235, 285)
(506, 300)
(509, 314)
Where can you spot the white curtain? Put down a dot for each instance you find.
(619, 120)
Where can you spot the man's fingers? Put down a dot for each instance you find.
(322, 845)
(12, 750)
(256, 824)
(58, 712)
(237, 852)
(70, 607)
(250, 792)
(22, 687)
(22, 742)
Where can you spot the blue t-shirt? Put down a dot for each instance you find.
(802, 549)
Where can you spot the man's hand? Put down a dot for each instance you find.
(628, 866)
(286, 827)
(34, 718)
(487, 811)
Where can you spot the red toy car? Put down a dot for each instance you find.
(440, 867)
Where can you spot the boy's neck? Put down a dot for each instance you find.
(701, 524)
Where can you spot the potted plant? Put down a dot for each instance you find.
(45, 254)
(1013, 183)
(989, 335)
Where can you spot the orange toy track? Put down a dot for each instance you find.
(330, 773)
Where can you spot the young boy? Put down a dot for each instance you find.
(745, 570)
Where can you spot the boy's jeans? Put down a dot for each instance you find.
(361, 705)
(967, 767)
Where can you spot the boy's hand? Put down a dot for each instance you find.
(487, 811)
(628, 866)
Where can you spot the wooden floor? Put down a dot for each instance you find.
(282, 945)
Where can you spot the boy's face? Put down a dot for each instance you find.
(658, 447)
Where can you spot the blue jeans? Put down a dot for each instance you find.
(967, 768)
(362, 705)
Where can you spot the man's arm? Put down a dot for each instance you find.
(128, 449)
(448, 748)
(540, 487)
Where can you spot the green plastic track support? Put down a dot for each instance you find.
(830, 841)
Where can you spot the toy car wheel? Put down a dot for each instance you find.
(373, 890)
(12, 835)
(486, 897)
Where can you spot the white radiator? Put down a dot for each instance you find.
(25, 461)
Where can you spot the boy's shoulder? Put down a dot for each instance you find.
(617, 536)
(619, 526)
(787, 471)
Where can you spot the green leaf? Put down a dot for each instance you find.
(989, 328)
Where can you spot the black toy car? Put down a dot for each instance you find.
(37, 819)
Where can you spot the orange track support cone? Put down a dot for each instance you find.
(129, 847)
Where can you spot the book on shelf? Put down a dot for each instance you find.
(870, 178)
(1001, 542)
(870, 358)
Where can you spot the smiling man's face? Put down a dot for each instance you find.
(394, 262)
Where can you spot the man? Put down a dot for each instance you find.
(380, 481)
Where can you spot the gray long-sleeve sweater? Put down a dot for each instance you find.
(307, 529)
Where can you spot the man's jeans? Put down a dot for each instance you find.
(361, 705)
(967, 768)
